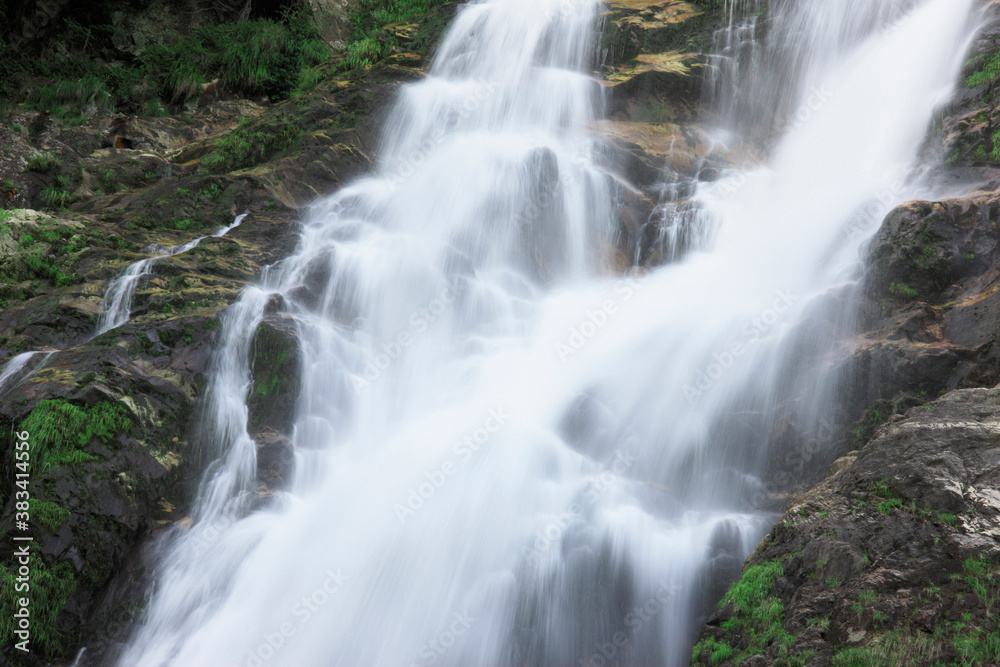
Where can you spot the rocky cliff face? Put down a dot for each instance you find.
(890, 560)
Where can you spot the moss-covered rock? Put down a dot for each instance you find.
(276, 369)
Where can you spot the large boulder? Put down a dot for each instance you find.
(930, 251)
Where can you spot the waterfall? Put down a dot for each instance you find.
(116, 305)
(504, 456)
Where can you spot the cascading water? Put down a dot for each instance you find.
(19, 367)
(504, 457)
(116, 306)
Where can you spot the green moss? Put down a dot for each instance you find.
(986, 73)
(50, 588)
(903, 291)
(59, 430)
(709, 651)
(185, 224)
(267, 381)
(926, 257)
(47, 514)
(870, 422)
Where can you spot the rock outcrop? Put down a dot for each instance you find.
(894, 558)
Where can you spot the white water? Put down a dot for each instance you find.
(116, 305)
(502, 455)
(17, 369)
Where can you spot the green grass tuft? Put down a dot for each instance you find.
(985, 74)
(248, 57)
(249, 145)
(43, 163)
(758, 618)
(48, 514)
(59, 430)
(903, 291)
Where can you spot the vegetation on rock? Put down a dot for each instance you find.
(60, 430)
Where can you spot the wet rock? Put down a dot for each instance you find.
(332, 21)
(636, 27)
(902, 535)
(542, 238)
(275, 460)
(276, 371)
(928, 250)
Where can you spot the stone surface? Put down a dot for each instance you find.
(898, 549)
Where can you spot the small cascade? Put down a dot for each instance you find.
(116, 305)
(17, 369)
